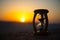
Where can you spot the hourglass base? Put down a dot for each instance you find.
(41, 33)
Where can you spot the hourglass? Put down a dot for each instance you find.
(42, 21)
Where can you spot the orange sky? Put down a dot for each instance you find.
(18, 15)
(16, 10)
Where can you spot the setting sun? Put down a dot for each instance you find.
(22, 19)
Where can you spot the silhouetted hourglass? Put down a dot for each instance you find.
(42, 21)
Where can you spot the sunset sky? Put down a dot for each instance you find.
(22, 10)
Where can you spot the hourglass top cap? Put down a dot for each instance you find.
(41, 11)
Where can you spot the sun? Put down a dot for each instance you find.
(22, 19)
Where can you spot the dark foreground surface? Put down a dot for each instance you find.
(23, 31)
(53, 35)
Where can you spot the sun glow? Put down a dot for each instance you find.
(22, 19)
